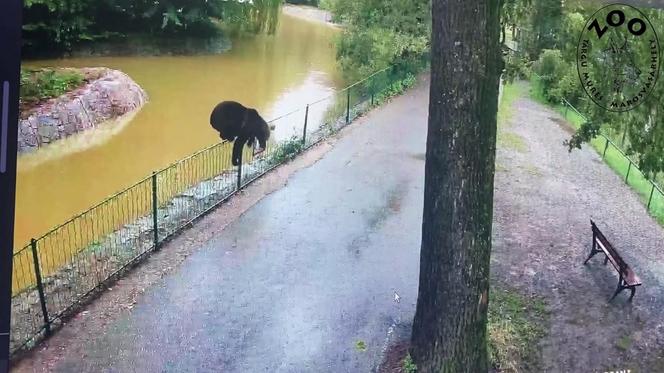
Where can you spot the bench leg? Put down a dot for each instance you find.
(633, 289)
(606, 260)
(620, 288)
(592, 253)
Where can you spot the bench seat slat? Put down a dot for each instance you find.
(631, 279)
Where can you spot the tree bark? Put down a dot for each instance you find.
(449, 330)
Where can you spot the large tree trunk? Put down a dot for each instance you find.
(449, 330)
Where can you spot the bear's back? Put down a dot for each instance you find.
(226, 116)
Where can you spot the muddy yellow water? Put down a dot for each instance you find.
(275, 74)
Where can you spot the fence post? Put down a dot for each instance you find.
(372, 97)
(622, 141)
(651, 191)
(566, 109)
(605, 147)
(239, 171)
(304, 131)
(348, 106)
(40, 287)
(628, 168)
(155, 223)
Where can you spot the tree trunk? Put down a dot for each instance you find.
(449, 330)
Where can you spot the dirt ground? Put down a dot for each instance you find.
(544, 200)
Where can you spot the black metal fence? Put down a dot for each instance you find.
(56, 272)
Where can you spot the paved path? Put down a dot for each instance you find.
(296, 282)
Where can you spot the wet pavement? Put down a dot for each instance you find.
(305, 280)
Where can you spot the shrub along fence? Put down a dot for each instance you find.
(57, 272)
(650, 192)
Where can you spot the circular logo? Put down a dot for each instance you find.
(618, 57)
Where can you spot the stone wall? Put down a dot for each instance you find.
(111, 95)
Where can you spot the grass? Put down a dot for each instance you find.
(624, 343)
(505, 138)
(510, 140)
(533, 170)
(42, 84)
(613, 157)
(511, 92)
(408, 365)
(516, 324)
(286, 150)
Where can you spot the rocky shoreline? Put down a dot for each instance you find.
(111, 95)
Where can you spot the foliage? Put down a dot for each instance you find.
(43, 84)
(59, 25)
(396, 88)
(59, 22)
(559, 77)
(517, 67)
(408, 365)
(380, 33)
(550, 67)
(642, 127)
(516, 323)
(513, 12)
(286, 150)
(546, 21)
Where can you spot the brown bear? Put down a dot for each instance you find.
(240, 124)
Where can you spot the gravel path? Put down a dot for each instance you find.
(544, 199)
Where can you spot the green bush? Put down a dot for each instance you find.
(380, 33)
(408, 365)
(43, 84)
(552, 69)
(286, 150)
(396, 88)
(566, 87)
(517, 67)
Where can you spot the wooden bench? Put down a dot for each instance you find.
(628, 279)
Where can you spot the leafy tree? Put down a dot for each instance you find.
(449, 330)
(513, 13)
(546, 21)
(61, 24)
(380, 33)
(643, 125)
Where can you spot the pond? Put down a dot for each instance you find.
(275, 74)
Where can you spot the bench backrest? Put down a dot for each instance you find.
(599, 236)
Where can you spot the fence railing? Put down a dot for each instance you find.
(622, 164)
(56, 272)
